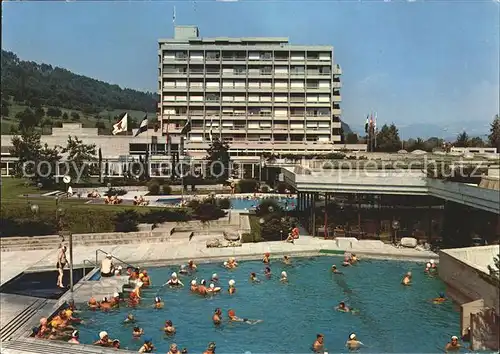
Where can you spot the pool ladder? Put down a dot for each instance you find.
(86, 261)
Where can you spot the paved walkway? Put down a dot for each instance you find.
(13, 263)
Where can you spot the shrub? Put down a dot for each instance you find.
(268, 206)
(166, 189)
(160, 216)
(115, 191)
(208, 211)
(193, 204)
(154, 187)
(126, 221)
(265, 189)
(247, 186)
(282, 187)
(275, 228)
(224, 203)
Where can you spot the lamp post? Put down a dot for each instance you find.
(395, 227)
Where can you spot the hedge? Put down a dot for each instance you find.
(17, 219)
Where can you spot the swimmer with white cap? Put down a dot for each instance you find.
(194, 285)
(232, 287)
(104, 340)
(427, 267)
(453, 345)
(158, 304)
(215, 278)
(174, 280)
(183, 270)
(353, 343)
(212, 289)
(284, 277)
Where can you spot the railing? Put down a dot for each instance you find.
(113, 257)
(86, 261)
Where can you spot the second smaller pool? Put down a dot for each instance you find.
(243, 203)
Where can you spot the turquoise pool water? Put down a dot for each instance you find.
(242, 204)
(392, 318)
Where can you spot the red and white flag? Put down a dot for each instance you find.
(121, 126)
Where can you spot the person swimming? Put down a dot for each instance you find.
(183, 270)
(335, 270)
(137, 332)
(347, 260)
(319, 344)
(217, 317)
(202, 288)
(440, 299)
(169, 328)
(192, 266)
(287, 260)
(215, 278)
(129, 319)
(194, 286)
(284, 277)
(342, 307)
(174, 281)
(158, 304)
(267, 272)
(406, 281)
(233, 318)
(353, 343)
(212, 289)
(453, 345)
(232, 288)
(253, 278)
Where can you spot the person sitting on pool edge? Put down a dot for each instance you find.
(266, 260)
(406, 281)
(169, 328)
(453, 345)
(216, 318)
(318, 345)
(107, 266)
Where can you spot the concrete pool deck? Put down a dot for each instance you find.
(171, 252)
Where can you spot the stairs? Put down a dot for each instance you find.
(105, 287)
(9, 329)
(32, 345)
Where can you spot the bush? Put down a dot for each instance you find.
(224, 203)
(126, 221)
(264, 189)
(166, 189)
(208, 211)
(268, 206)
(154, 187)
(115, 191)
(247, 186)
(282, 187)
(160, 216)
(193, 204)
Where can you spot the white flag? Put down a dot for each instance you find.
(121, 126)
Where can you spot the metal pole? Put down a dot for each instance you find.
(71, 263)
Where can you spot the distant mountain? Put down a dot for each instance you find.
(35, 84)
(345, 127)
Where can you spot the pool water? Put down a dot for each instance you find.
(244, 203)
(392, 318)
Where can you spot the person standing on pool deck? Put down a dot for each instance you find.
(61, 264)
(318, 345)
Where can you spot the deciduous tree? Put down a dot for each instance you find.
(80, 156)
(388, 139)
(218, 159)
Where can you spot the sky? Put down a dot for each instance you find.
(419, 64)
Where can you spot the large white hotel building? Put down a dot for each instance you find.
(259, 94)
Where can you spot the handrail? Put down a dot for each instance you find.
(118, 259)
(85, 261)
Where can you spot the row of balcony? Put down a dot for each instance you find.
(297, 103)
(257, 125)
(243, 115)
(244, 88)
(254, 59)
(203, 73)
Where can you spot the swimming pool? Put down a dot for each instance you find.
(243, 203)
(392, 319)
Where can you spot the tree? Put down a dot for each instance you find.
(462, 140)
(75, 116)
(5, 108)
(100, 125)
(53, 112)
(27, 119)
(476, 142)
(388, 139)
(418, 144)
(39, 113)
(65, 116)
(218, 160)
(352, 138)
(79, 157)
(494, 137)
(35, 162)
